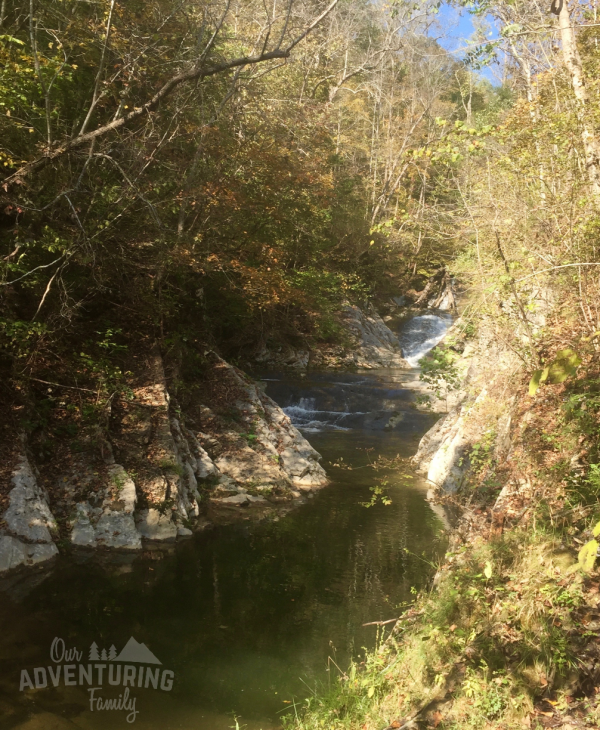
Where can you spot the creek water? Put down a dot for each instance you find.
(248, 617)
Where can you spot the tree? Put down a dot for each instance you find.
(94, 656)
(572, 61)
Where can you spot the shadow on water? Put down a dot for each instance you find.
(246, 615)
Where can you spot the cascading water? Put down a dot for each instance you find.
(421, 334)
(323, 402)
(306, 415)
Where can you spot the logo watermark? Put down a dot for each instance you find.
(135, 666)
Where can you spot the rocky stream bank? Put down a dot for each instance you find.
(152, 473)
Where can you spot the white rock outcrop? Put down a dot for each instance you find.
(112, 525)
(279, 456)
(251, 458)
(443, 454)
(376, 345)
(373, 345)
(27, 527)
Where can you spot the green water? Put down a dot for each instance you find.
(247, 616)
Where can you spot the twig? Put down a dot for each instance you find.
(562, 266)
(380, 623)
(60, 385)
(518, 299)
(43, 299)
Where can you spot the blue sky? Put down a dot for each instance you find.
(456, 28)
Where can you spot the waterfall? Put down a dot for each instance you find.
(422, 333)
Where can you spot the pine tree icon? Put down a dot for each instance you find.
(112, 653)
(94, 652)
(103, 656)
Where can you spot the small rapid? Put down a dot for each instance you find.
(368, 400)
(306, 416)
(421, 334)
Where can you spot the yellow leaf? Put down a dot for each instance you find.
(587, 556)
(488, 570)
(371, 692)
(534, 383)
(591, 337)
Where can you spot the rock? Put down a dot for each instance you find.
(284, 357)
(443, 451)
(83, 532)
(153, 525)
(112, 525)
(280, 455)
(117, 530)
(236, 499)
(205, 466)
(29, 521)
(14, 553)
(28, 515)
(258, 448)
(376, 345)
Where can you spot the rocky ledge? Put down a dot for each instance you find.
(156, 474)
(370, 344)
(481, 405)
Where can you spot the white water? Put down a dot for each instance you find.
(359, 402)
(308, 417)
(421, 334)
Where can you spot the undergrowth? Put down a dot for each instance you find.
(506, 636)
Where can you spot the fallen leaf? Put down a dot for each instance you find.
(437, 718)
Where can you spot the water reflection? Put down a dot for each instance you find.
(245, 615)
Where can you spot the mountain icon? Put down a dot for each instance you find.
(133, 651)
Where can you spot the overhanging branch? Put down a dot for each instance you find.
(193, 74)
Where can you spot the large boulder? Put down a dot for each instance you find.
(27, 527)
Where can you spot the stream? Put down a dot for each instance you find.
(245, 619)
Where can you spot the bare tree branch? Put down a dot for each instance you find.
(193, 74)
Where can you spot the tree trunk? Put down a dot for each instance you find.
(573, 63)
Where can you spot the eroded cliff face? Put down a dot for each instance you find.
(480, 413)
(156, 473)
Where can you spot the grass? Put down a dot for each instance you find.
(501, 638)
(480, 646)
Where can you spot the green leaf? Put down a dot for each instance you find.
(596, 530)
(371, 691)
(563, 366)
(587, 556)
(534, 383)
(12, 39)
